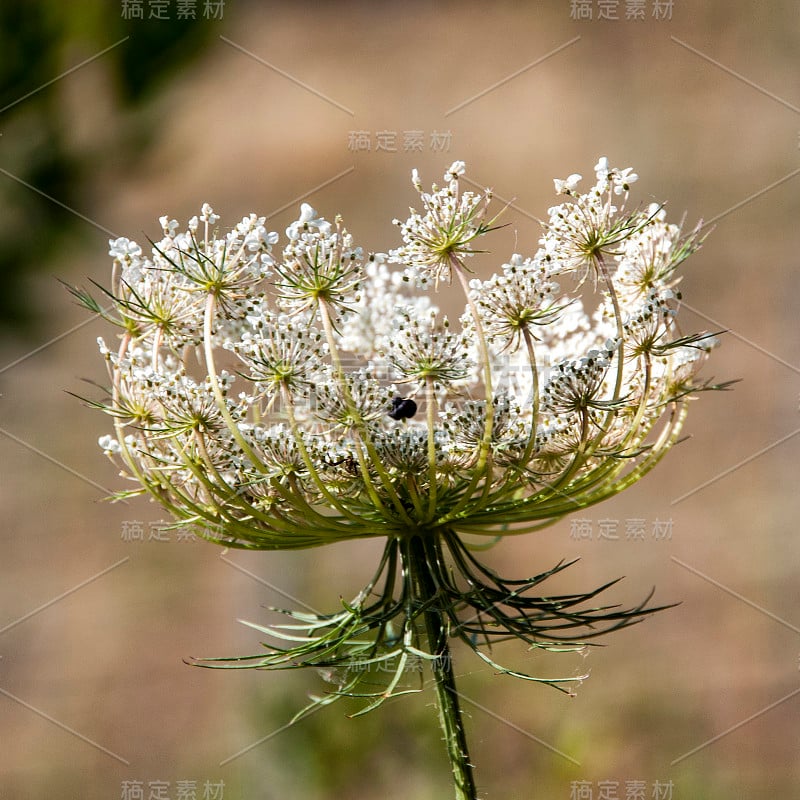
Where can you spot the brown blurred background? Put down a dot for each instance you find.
(93, 690)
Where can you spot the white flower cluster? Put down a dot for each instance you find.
(445, 232)
(361, 410)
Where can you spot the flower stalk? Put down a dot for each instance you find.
(438, 635)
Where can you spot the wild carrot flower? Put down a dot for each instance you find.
(293, 399)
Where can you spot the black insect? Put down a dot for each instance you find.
(402, 408)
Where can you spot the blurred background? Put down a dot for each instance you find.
(113, 113)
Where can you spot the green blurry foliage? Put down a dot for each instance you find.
(39, 41)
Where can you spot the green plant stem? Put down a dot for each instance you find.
(450, 715)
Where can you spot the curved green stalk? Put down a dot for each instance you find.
(450, 714)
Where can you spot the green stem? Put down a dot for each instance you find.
(450, 715)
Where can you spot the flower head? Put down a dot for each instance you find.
(519, 301)
(423, 348)
(589, 227)
(362, 411)
(320, 264)
(446, 229)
